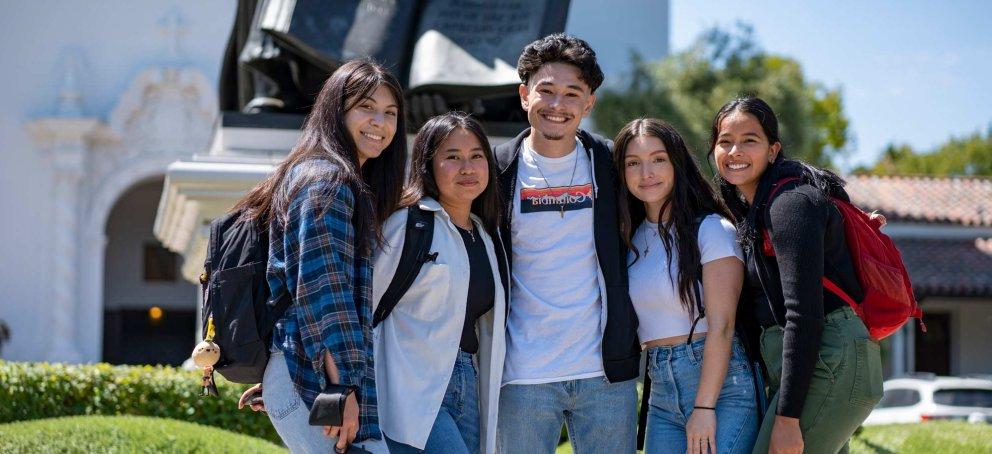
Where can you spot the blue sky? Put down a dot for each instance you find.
(914, 72)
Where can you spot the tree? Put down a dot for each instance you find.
(688, 88)
(969, 155)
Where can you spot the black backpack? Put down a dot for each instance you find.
(236, 295)
(416, 252)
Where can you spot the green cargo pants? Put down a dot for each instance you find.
(846, 384)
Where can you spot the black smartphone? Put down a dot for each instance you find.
(254, 398)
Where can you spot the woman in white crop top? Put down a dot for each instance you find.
(702, 396)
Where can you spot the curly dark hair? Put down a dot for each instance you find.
(561, 48)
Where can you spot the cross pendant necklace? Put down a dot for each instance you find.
(647, 242)
(547, 184)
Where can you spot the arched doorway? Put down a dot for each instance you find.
(149, 311)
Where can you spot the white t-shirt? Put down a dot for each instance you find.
(655, 295)
(554, 329)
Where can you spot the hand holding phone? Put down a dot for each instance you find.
(252, 397)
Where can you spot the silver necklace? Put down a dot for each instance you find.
(575, 163)
(647, 244)
(471, 232)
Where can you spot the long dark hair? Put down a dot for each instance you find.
(377, 185)
(746, 214)
(423, 183)
(691, 198)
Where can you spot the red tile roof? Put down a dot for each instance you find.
(948, 267)
(945, 200)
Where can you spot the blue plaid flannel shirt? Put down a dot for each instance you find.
(316, 261)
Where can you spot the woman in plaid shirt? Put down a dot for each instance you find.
(323, 204)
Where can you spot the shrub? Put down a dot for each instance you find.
(124, 434)
(41, 390)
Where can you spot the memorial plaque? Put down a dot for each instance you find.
(469, 48)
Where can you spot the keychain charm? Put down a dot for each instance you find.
(205, 355)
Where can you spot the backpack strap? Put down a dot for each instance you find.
(642, 414)
(696, 292)
(766, 244)
(416, 251)
(777, 187)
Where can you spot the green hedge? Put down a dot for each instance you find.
(41, 390)
(125, 434)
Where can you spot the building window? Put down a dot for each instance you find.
(161, 264)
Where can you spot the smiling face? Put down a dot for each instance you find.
(556, 99)
(649, 173)
(461, 170)
(371, 122)
(742, 152)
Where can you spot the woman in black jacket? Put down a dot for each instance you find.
(825, 373)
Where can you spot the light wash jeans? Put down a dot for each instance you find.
(675, 372)
(456, 428)
(601, 417)
(290, 416)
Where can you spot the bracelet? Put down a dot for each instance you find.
(700, 407)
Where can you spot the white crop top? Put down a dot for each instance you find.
(655, 293)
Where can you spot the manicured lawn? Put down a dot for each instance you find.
(929, 438)
(125, 434)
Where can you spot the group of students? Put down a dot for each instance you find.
(557, 258)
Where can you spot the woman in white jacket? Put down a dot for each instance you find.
(439, 353)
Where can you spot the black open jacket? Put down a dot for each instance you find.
(621, 350)
(807, 235)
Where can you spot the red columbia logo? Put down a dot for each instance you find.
(570, 198)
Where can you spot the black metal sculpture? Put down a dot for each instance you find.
(450, 54)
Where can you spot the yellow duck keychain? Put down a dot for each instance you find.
(205, 355)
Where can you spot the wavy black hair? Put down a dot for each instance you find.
(377, 184)
(745, 214)
(691, 198)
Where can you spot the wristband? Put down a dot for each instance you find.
(700, 407)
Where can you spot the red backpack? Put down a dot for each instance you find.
(888, 295)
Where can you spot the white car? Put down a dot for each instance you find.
(926, 397)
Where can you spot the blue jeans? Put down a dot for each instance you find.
(290, 416)
(456, 428)
(601, 417)
(675, 372)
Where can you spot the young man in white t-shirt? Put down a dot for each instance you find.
(572, 350)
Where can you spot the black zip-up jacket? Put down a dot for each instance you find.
(807, 235)
(621, 350)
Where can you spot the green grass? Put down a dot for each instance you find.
(125, 434)
(929, 438)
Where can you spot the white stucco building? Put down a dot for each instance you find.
(99, 99)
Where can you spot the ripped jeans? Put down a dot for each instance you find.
(675, 372)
